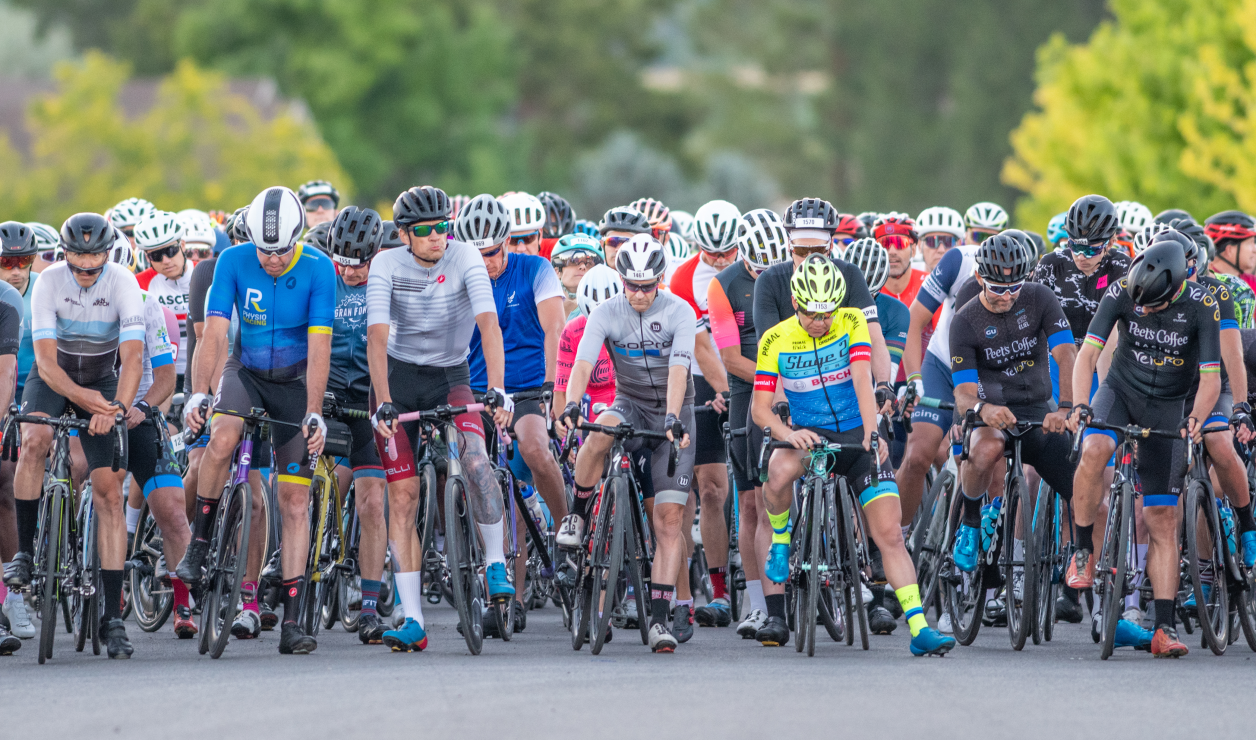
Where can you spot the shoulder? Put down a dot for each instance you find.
(849, 319)
(1053, 260)
(1115, 261)
(774, 337)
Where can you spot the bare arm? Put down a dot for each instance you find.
(1065, 356)
(8, 381)
(131, 354)
(708, 362)
(581, 371)
(210, 346)
(164, 379)
(494, 351)
(550, 313)
(736, 364)
(913, 353)
(1105, 357)
(1083, 371)
(880, 355)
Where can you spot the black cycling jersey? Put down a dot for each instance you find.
(1159, 354)
(772, 295)
(968, 290)
(737, 286)
(1079, 294)
(1249, 361)
(1005, 354)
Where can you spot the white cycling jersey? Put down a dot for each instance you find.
(158, 350)
(173, 294)
(88, 323)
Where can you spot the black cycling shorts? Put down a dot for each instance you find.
(1048, 453)
(240, 390)
(707, 434)
(422, 388)
(856, 466)
(745, 453)
(151, 469)
(39, 397)
(1161, 462)
(667, 490)
(364, 457)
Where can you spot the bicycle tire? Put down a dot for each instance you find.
(504, 609)
(829, 612)
(150, 607)
(580, 610)
(1244, 598)
(459, 539)
(797, 579)
(925, 514)
(607, 560)
(1113, 565)
(931, 550)
(50, 537)
(1044, 537)
(229, 555)
(1212, 608)
(89, 573)
(308, 613)
(965, 593)
(847, 523)
(331, 549)
(1020, 620)
(816, 562)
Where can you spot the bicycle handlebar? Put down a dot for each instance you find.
(626, 431)
(9, 446)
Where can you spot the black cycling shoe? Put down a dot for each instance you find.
(489, 622)
(8, 643)
(996, 613)
(18, 572)
(1067, 610)
(189, 569)
(521, 618)
(370, 629)
(773, 633)
(292, 641)
(682, 622)
(274, 568)
(879, 621)
(116, 641)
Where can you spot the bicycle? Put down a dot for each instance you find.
(736, 573)
(66, 569)
(828, 552)
(151, 596)
(930, 539)
(1051, 514)
(617, 538)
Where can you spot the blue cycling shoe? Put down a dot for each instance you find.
(1129, 634)
(1190, 599)
(966, 548)
(1249, 549)
(777, 569)
(410, 638)
(931, 642)
(498, 586)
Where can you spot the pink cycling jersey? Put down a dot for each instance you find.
(602, 382)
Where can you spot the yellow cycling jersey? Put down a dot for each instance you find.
(816, 372)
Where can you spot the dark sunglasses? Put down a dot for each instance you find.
(426, 229)
(939, 241)
(493, 252)
(86, 270)
(661, 234)
(980, 235)
(817, 315)
(320, 204)
(1008, 289)
(524, 238)
(1086, 249)
(576, 259)
(639, 288)
(614, 241)
(202, 253)
(17, 263)
(843, 241)
(161, 255)
(48, 256)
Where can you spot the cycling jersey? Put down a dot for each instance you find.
(173, 294)
(909, 293)
(144, 277)
(773, 296)
(350, 375)
(10, 321)
(1158, 354)
(940, 289)
(690, 281)
(277, 314)
(895, 321)
(1005, 354)
(601, 388)
(88, 323)
(431, 310)
(26, 350)
(526, 281)
(643, 346)
(816, 372)
(1078, 293)
(730, 307)
(1244, 298)
(158, 349)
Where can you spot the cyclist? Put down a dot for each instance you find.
(286, 298)
(17, 254)
(1168, 329)
(875, 258)
(848, 230)
(1056, 235)
(983, 220)
(618, 225)
(47, 241)
(716, 228)
(560, 221)
(642, 323)
(128, 213)
(199, 234)
(87, 314)
(1133, 217)
(572, 258)
(599, 284)
(1234, 234)
(659, 216)
(320, 199)
(762, 243)
(529, 303)
(939, 228)
(169, 277)
(527, 218)
(423, 304)
(18, 249)
(822, 359)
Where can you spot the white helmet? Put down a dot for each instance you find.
(130, 212)
(1148, 234)
(872, 260)
(683, 223)
(761, 239)
(46, 237)
(526, 212)
(986, 215)
(676, 248)
(482, 222)
(1133, 216)
(120, 251)
(158, 230)
(640, 259)
(197, 227)
(275, 220)
(599, 284)
(940, 219)
(715, 226)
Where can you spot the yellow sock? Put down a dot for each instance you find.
(780, 527)
(909, 599)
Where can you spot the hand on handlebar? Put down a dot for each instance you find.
(385, 420)
(137, 414)
(94, 403)
(719, 403)
(885, 398)
(503, 406)
(1081, 412)
(195, 411)
(1191, 428)
(673, 427)
(1244, 429)
(801, 439)
(999, 417)
(1056, 421)
(314, 428)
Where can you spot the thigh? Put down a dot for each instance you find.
(674, 488)
(39, 398)
(285, 402)
(1049, 455)
(741, 447)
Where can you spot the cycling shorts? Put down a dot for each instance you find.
(151, 469)
(707, 434)
(856, 464)
(1047, 453)
(39, 398)
(1221, 410)
(364, 457)
(240, 390)
(672, 489)
(1161, 462)
(422, 388)
(745, 453)
(528, 407)
(936, 377)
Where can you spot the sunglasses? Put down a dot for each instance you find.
(202, 253)
(1086, 249)
(493, 252)
(1008, 289)
(576, 259)
(276, 253)
(524, 238)
(85, 270)
(661, 234)
(843, 241)
(805, 252)
(896, 241)
(614, 241)
(319, 204)
(48, 256)
(639, 288)
(426, 229)
(17, 263)
(816, 315)
(980, 235)
(939, 241)
(161, 255)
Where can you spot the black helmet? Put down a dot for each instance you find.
(1092, 219)
(16, 239)
(235, 228)
(1171, 214)
(426, 203)
(355, 236)
(1194, 233)
(1040, 244)
(1158, 273)
(624, 218)
(317, 237)
(1006, 257)
(389, 236)
(315, 188)
(811, 213)
(87, 233)
(560, 220)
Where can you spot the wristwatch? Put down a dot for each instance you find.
(978, 407)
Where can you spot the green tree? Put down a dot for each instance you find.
(198, 146)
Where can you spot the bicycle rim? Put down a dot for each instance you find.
(149, 604)
(848, 514)
(799, 549)
(608, 558)
(51, 541)
(1114, 565)
(1020, 614)
(330, 576)
(938, 491)
(1212, 607)
(818, 564)
(84, 555)
(640, 587)
(933, 542)
(459, 544)
(229, 563)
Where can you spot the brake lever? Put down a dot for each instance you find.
(120, 443)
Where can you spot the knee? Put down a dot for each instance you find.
(1096, 452)
(36, 441)
(711, 493)
(221, 445)
(667, 518)
(293, 498)
(370, 502)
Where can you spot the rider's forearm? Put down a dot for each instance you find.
(377, 360)
(1232, 358)
(736, 364)
(317, 365)
(1206, 396)
(965, 397)
(861, 377)
(131, 354)
(709, 362)
(1083, 371)
(8, 381)
(581, 371)
(494, 350)
(208, 351)
(880, 355)
(761, 412)
(1065, 356)
(164, 380)
(677, 385)
(550, 313)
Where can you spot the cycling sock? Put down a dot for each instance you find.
(909, 599)
(410, 591)
(180, 590)
(1246, 522)
(206, 510)
(754, 592)
(370, 596)
(660, 603)
(27, 525)
(972, 512)
(112, 582)
(1164, 613)
(248, 590)
(132, 518)
(1085, 537)
(494, 548)
(580, 506)
(776, 605)
(719, 588)
(292, 598)
(685, 602)
(780, 527)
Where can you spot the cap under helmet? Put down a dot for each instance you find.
(811, 213)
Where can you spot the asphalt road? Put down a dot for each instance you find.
(716, 685)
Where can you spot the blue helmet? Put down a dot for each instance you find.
(1055, 229)
(588, 228)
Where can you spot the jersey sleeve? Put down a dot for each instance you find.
(857, 293)
(43, 311)
(964, 352)
(222, 290)
(567, 346)
(1208, 335)
(478, 286)
(379, 291)
(1106, 316)
(894, 326)
(766, 368)
(936, 287)
(683, 338)
(595, 333)
(545, 284)
(10, 329)
(1054, 322)
(156, 335)
(724, 329)
(130, 307)
(860, 341)
(322, 314)
(1230, 316)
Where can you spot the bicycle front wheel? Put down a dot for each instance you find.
(463, 564)
(51, 533)
(848, 523)
(1206, 541)
(226, 567)
(964, 594)
(930, 539)
(1113, 566)
(1018, 571)
(1042, 570)
(607, 560)
(151, 602)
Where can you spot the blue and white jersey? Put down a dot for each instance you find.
(350, 373)
(526, 281)
(939, 291)
(26, 350)
(88, 323)
(159, 349)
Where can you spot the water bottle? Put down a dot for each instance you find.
(1227, 526)
(989, 524)
(533, 503)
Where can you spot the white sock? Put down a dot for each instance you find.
(132, 518)
(494, 548)
(754, 591)
(906, 531)
(1018, 550)
(410, 589)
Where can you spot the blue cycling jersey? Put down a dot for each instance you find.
(26, 350)
(526, 281)
(276, 313)
(895, 320)
(349, 370)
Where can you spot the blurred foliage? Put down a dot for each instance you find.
(26, 53)
(1156, 107)
(198, 146)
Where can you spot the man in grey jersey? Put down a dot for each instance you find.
(650, 335)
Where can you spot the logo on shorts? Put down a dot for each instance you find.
(682, 481)
(990, 332)
(294, 468)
